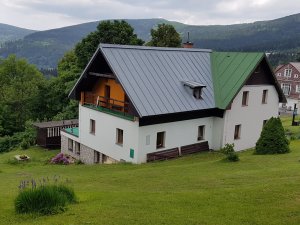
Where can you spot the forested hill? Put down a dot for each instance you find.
(282, 35)
(11, 33)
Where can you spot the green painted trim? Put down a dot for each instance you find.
(110, 112)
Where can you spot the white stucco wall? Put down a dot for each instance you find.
(250, 117)
(177, 134)
(104, 139)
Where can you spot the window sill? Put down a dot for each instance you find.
(119, 144)
(200, 139)
(159, 147)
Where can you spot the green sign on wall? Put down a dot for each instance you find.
(131, 153)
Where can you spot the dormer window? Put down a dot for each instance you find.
(196, 87)
(197, 93)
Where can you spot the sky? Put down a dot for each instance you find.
(43, 15)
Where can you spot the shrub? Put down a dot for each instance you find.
(44, 200)
(61, 158)
(44, 197)
(24, 144)
(272, 139)
(229, 152)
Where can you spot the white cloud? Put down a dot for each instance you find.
(40, 14)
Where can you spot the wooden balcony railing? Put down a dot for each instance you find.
(113, 105)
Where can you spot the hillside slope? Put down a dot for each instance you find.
(45, 48)
(11, 33)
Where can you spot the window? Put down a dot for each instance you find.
(160, 140)
(201, 132)
(296, 76)
(286, 88)
(197, 93)
(287, 72)
(278, 74)
(92, 126)
(264, 97)
(148, 140)
(264, 122)
(77, 148)
(70, 145)
(237, 132)
(245, 98)
(298, 88)
(119, 138)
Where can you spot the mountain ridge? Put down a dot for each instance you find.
(45, 48)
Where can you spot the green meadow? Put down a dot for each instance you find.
(200, 189)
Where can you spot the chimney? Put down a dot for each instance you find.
(188, 44)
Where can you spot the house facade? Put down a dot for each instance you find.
(136, 101)
(288, 76)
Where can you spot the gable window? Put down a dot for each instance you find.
(264, 97)
(286, 88)
(92, 126)
(160, 140)
(197, 93)
(237, 132)
(287, 72)
(278, 74)
(245, 98)
(201, 132)
(296, 76)
(70, 145)
(119, 139)
(298, 88)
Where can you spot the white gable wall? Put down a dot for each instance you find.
(104, 139)
(250, 117)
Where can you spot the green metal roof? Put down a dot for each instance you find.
(230, 71)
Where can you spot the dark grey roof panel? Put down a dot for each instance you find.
(193, 84)
(152, 77)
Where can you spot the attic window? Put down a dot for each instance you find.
(196, 87)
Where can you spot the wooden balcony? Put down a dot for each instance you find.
(108, 105)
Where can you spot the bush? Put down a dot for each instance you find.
(229, 152)
(45, 198)
(272, 139)
(23, 139)
(233, 157)
(61, 158)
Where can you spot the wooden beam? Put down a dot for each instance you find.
(110, 76)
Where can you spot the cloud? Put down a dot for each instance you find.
(39, 14)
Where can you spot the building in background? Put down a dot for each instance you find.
(288, 76)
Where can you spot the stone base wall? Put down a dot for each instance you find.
(65, 147)
(87, 154)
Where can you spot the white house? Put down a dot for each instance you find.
(138, 103)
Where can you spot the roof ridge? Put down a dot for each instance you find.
(103, 45)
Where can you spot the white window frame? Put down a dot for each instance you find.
(278, 74)
(287, 72)
(201, 133)
(296, 76)
(286, 88)
(297, 88)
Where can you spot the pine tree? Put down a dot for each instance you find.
(272, 138)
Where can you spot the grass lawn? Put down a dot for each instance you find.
(201, 189)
